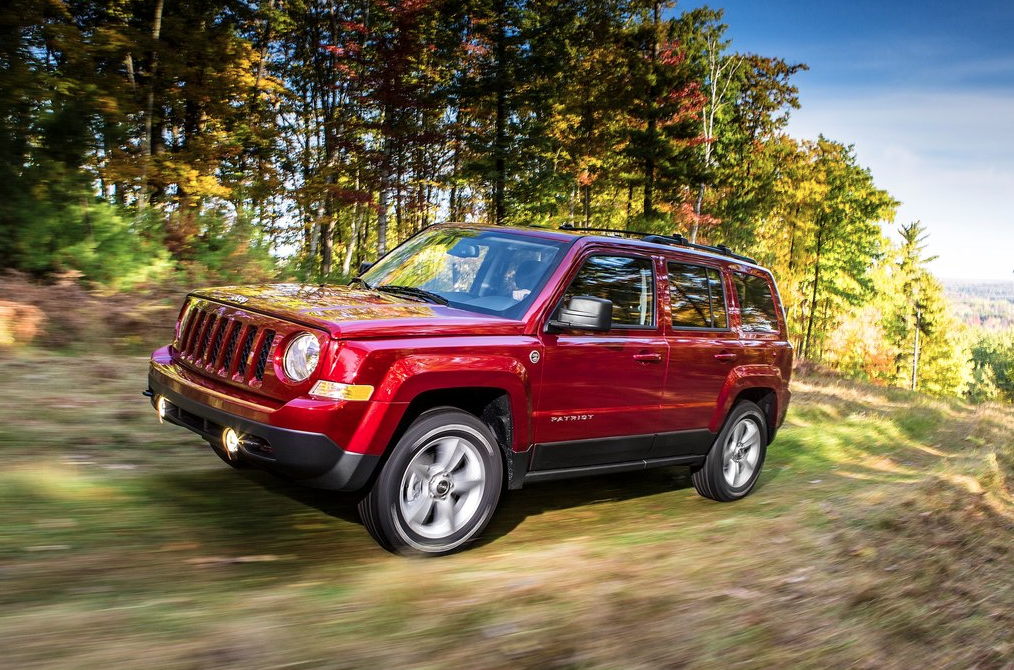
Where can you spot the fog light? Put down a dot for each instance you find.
(160, 406)
(230, 440)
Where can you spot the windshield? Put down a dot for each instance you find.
(490, 271)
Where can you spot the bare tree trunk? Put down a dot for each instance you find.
(353, 241)
(720, 76)
(915, 352)
(350, 246)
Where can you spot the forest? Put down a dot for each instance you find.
(146, 142)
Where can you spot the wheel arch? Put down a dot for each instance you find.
(757, 386)
(490, 404)
(767, 400)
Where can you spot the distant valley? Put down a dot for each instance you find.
(988, 305)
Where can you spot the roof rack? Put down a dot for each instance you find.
(668, 240)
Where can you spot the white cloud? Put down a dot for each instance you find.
(949, 157)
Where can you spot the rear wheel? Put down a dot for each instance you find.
(438, 489)
(734, 462)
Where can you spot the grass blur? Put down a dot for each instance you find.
(880, 537)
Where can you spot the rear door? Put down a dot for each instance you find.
(602, 392)
(703, 351)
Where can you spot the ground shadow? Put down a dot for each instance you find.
(536, 499)
(276, 502)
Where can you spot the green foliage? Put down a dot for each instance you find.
(993, 367)
(208, 136)
(228, 251)
(59, 225)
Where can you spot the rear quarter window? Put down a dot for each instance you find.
(757, 310)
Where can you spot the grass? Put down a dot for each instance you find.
(879, 537)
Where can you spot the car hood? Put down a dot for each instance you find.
(350, 312)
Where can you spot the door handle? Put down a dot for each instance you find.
(725, 358)
(646, 357)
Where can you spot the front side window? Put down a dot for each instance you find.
(697, 297)
(756, 305)
(628, 282)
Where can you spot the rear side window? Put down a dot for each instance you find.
(756, 306)
(628, 282)
(697, 297)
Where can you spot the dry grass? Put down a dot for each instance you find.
(65, 315)
(880, 537)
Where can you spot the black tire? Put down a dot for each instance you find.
(439, 487)
(734, 462)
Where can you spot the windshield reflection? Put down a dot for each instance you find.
(490, 271)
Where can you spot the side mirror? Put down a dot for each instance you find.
(364, 266)
(584, 312)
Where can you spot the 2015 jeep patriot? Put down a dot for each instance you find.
(473, 358)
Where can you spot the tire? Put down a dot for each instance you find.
(439, 487)
(734, 462)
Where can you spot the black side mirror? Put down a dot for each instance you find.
(584, 312)
(364, 266)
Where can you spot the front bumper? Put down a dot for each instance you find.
(309, 458)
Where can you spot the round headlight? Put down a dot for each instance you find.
(301, 357)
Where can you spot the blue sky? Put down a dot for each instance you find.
(925, 92)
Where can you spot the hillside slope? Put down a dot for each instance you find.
(879, 537)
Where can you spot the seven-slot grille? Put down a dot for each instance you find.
(225, 345)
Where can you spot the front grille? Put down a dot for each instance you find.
(225, 345)
(262, 356)
(244, 354)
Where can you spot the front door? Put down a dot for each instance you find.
(602, 392)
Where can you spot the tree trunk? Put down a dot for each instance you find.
(500, 131)
(326, 239)
(586, 197)
(452, 203)
(384, 196)
(149, 107)
(350, 246)
(649, 160)
(813, 297)
(697, 211)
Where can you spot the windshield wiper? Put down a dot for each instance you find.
(414, 292)
(360, 280)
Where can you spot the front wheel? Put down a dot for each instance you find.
(734, 462)
(439, 487)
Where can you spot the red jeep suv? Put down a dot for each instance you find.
(474, 358)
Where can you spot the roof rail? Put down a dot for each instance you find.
(667, 240)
